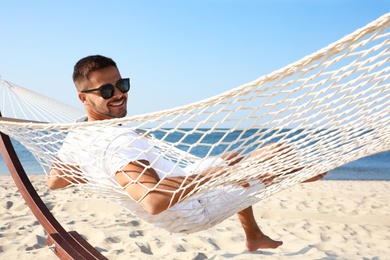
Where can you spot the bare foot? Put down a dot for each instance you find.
(262, 242)
(316, 178)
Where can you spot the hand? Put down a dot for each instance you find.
(265, 179)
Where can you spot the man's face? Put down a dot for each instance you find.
(99, 108)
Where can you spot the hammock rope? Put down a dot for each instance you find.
(323, 111)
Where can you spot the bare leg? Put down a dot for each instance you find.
(263, 153)
(266, 153)
(255, 239)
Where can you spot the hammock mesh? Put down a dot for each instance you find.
(323, 111)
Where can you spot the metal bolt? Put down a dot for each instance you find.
(52, 247)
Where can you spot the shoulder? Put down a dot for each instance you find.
(82, 119)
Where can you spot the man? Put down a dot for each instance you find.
(103, 93)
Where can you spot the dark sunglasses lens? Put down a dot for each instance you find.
(123, 85)
(107, 91)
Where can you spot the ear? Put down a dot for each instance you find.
(83, 98)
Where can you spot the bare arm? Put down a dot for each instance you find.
(68, 175)
(156, 195)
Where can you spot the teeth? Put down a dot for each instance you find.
(117, 104)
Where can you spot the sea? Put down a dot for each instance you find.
(374, 167)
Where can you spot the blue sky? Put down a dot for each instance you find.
(175, 52)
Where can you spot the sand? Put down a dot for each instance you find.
(321, 220)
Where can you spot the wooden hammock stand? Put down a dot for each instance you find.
(66, 245)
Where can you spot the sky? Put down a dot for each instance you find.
(174, 52)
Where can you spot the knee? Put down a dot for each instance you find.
(278, 147)
(271, 150)
(231, 157)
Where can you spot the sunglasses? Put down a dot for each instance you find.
(107, 90)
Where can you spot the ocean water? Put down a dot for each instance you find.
(374, 167)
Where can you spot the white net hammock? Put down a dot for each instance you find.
(328, 109)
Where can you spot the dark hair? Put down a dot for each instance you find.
(86, 65)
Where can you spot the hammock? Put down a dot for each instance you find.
(323, 111)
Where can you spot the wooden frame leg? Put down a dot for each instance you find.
(66, 245)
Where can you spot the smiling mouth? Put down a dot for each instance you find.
(118, 104)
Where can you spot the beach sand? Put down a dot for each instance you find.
(321, 220)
